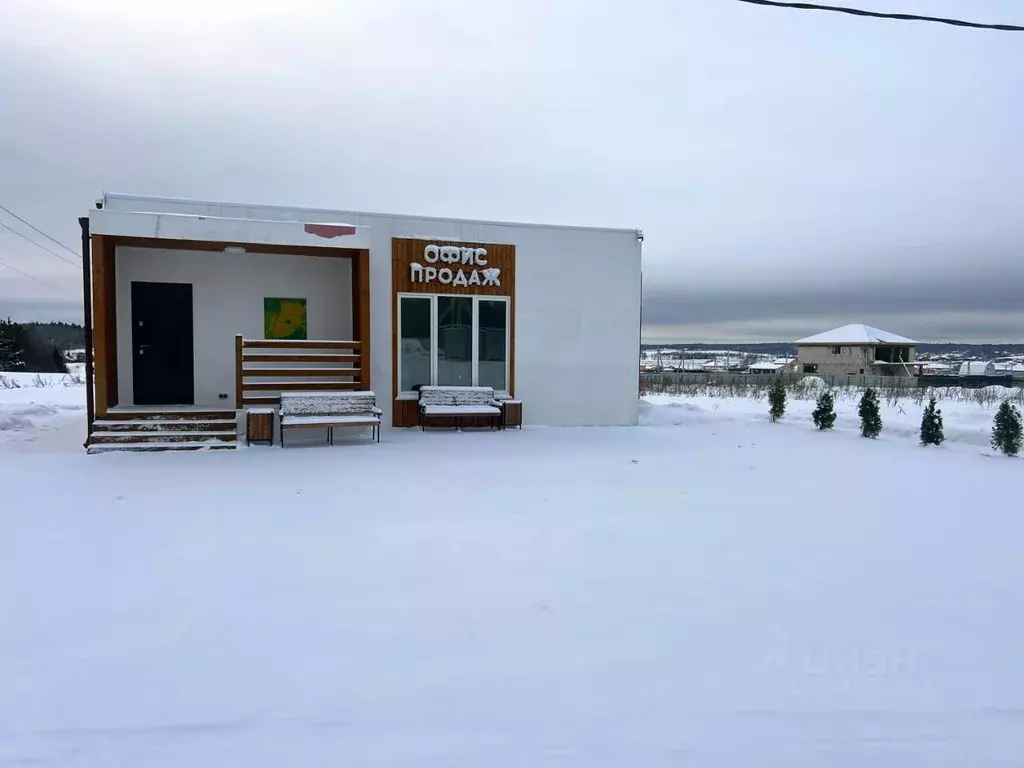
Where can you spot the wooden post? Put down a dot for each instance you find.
(238, 371)
(361, 313)
(102, 316)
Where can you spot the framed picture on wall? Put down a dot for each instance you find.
(284, 319)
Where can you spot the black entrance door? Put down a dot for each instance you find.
(162, 364)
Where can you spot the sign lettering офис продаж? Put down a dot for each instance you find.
(450, 254)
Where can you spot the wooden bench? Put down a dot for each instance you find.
(329, 410)
(455, 406)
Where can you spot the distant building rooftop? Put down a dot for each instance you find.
(856, 333)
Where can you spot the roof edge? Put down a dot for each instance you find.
(377, 214)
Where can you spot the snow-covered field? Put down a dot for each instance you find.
(717, 592)
(42, 411)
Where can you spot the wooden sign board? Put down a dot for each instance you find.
(453, 267)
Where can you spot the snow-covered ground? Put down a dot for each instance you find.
(42, 411)
(721, 592)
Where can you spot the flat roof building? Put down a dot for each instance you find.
(185, 292)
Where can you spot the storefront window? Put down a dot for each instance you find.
(492, 329)
(415, 342)
(453, 341)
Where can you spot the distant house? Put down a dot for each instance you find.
(1010, 366)
(978, 368)
(857, 350)
(764, 369)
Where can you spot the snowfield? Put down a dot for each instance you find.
(40, 411)
(719, 591)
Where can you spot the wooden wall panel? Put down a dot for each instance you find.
(408, 251)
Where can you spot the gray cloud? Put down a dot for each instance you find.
(791, 171)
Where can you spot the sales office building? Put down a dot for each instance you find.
(183, 292)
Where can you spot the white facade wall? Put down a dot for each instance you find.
(227, 299)
(577, 313)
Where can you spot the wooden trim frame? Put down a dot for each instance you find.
(104, 323)
(355, 352)
(408, 251)
(207, 245)
(361, 312)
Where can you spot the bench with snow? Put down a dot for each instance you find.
(455, 406)
(328, 410)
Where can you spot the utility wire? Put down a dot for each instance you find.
(33, 277)
(39, 245)
(37, 229)
(877, 15)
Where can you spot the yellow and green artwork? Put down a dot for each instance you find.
(284, 319)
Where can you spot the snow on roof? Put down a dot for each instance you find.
(118, 201)
(856, 333)
(765, 366)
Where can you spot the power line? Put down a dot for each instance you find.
(39, 245)
(877, 15)
(33, 277)
(37, 229)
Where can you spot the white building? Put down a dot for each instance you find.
(978, 368)
(765, 369)
(857, 350)
(182, 290)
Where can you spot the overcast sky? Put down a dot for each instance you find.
(792, 171)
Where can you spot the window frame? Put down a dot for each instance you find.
(475, 332)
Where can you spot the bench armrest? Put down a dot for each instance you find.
(377, 411)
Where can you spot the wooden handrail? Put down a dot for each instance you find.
(302, 357)
(290, 365)
(293, 345)
(284, 373)
(302, 386)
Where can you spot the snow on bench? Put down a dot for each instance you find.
(455, 403)
(330, 409)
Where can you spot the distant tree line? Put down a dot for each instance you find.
(25, 348)
(64, 336)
